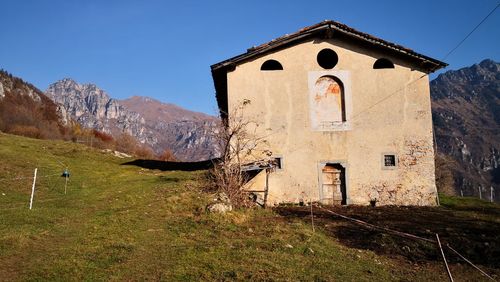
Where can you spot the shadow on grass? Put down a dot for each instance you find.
(170, 166)
(478, 240)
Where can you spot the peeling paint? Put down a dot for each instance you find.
(327, 107)
(415, 150)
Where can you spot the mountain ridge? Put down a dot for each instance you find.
(160, 125)
(153, 109)
(466, 117)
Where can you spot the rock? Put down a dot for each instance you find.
(121, 154)
(219, 207)
(288, 246)
(116, 153)
(222, 203)
(222, 197)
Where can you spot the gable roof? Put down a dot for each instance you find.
(326, 29)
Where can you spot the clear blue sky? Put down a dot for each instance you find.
(164, 49)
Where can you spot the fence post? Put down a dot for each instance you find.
(65, 184)
(33, 189)
(312, 215)
(444, 258)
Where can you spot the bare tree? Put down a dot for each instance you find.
(239, 144)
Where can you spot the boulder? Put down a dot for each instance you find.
(219, 207)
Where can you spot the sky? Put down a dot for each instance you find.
(164, 49)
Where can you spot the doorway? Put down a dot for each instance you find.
(333, 184)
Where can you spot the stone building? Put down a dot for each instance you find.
(347, 116)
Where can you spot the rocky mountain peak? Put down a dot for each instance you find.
(466, 81)
(466, 113)
(63, 84)
(159, 125)
(92, 107)
(487, 70)
(67, 81)
(490, 65)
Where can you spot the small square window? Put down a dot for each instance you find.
(389, 161)
(278, 162)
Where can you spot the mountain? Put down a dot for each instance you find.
(25, 110)
(466, 115)
(159, 125)
(154, 110)
(188, 134)
(93, 108)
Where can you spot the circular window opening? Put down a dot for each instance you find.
(327, 58)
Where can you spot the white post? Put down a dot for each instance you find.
(444, 259)
(65, 184)
(480, 192)
(461, 192)
(491, 194)
(33, 189)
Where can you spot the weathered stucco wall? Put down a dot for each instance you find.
(387, 112)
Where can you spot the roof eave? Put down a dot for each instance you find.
(433, 64)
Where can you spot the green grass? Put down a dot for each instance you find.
(465, 202)
(471, 207)
(120, 222)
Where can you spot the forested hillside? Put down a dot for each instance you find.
(25, 110)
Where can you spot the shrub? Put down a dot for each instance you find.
(167, 156)
(144, 152)
(26, 130)
(126, 143)
(104, 137)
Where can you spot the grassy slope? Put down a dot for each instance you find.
(125, 223)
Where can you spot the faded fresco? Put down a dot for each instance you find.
(326, 104)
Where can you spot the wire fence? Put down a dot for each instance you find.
(404, 235)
